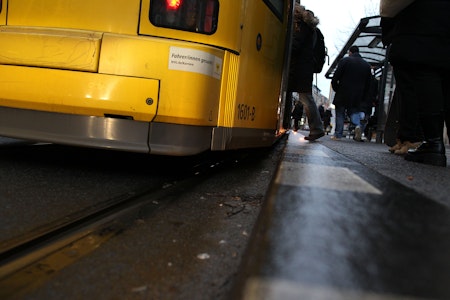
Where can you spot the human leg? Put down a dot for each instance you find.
(409, 106)
(356, 118)
(340, 117)
(296, 121)
(410, 134)
(312, 113)
(446, 88)
(326, 125)
(363, 121)
(429, 85)
(287, 111)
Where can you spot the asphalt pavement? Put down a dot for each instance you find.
(430, 181)
(350, 220)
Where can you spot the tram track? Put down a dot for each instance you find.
(27, 261)
(30, 261)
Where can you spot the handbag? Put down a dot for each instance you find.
(390, 8)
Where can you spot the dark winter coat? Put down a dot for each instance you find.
(420, 34)
(351, 82)
(297, 113)
(301, 64)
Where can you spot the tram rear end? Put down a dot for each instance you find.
(173, 77)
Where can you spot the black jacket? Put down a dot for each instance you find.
(351, 82)
(420, 34)
(297, 113)
(301, 64)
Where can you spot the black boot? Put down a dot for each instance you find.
(431, 152)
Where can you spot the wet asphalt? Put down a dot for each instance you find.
(186, 244)
(349, 220)
(340, 220)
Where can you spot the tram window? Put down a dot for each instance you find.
(1, 6)
(277, 6)
(190, 15)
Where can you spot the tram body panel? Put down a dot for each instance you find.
(50, 48)
(251, 97)
(158, 90)
(189, 74)
(81, 93)
(261, 66)
(119, 16)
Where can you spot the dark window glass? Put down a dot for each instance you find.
(277, 6)
(190, 15)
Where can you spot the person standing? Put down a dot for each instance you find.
(321, 109)
(327, 119)
(404, 110)
(297, 114)
(301, 68)
(419, 35)
(351, 82)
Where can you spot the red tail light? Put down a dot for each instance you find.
(200, 16)
(173, 4)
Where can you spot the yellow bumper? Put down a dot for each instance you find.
(78, 92)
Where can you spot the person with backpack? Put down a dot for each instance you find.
(301, 68)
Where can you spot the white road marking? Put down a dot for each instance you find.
(319, 176)
(270, 289)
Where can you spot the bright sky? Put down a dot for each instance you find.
(338, 20)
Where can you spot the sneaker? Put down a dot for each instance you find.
(335, 138)
(431, 152)
(358, 134)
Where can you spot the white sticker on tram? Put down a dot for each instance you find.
(313, 175)
(196, 61)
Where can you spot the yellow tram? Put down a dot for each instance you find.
(172, 77)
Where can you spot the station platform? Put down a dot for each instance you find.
(350, 220)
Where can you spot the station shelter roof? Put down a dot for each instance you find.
(367, 36)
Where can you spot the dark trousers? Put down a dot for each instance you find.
(408, 107)
(425, 101)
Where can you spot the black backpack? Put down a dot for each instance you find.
(319, 51)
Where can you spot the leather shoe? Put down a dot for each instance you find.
(313, 137)
(431, 152)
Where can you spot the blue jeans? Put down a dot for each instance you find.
(340, 117)
(356, 118)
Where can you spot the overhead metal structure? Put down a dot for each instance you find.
(367, 36)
